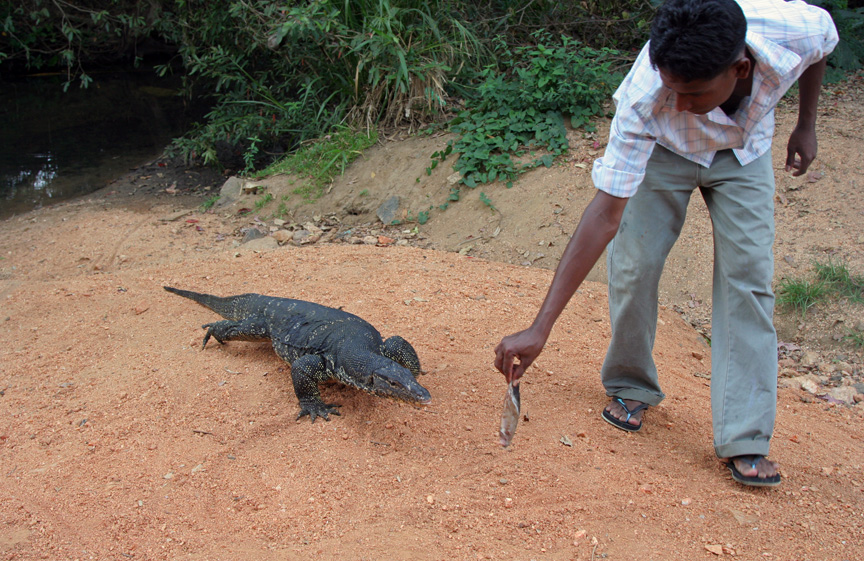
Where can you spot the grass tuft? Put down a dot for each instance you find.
(800, 295)
(319, 162)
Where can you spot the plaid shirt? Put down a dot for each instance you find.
(785, 38)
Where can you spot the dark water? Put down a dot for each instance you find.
(56, 145)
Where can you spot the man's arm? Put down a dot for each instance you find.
(597, 227)
(801, 150)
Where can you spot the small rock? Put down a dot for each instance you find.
(282, 236)
(252, 234)
(230, 192)
(508, 503)
(686, 502)
(370, 240)
(809, 386)
(384, 240)
(262, 244)
(387, 211)
(716, 549)
(845, 394)
(430, 499)
(305, 237)
(697, 355)
(252, 189)
(809, 359)
(579, 536)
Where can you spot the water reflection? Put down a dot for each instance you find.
(56, 145)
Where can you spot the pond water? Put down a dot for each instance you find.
(56, 145)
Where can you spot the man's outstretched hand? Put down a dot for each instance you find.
(515, 353)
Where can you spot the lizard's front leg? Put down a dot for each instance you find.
(306, 372)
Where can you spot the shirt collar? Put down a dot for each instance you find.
(772, 63)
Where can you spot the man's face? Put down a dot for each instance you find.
(702, 96)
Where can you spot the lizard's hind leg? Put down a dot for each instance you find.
(250, 329)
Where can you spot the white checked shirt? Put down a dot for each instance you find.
(785, 38)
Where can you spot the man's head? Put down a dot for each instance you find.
(697, 39)
(698, 48)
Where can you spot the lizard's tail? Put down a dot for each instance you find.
(225, 307)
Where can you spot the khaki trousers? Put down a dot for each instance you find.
(740, 200)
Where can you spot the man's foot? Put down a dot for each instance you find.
(625, 414)
(755, 470)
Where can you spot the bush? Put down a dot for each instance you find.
(521, 104)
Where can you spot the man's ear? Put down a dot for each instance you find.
(742, 68)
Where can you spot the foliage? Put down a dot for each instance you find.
(286, 74)
(619, 24)
(69, 35)
(318, 162)
(849, 53)
(282, 73)
(521, 104)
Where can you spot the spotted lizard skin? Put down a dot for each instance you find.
(320, 343)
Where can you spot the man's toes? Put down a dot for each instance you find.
(764, 467)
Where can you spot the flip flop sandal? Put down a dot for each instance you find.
(625, 425)
(752, 480)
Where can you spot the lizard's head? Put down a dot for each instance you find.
(397, 382)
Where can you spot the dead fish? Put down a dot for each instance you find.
(510, 415)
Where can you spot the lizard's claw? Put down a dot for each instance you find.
(318, 409)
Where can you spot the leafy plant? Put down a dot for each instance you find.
(521, 103)
(849, 53)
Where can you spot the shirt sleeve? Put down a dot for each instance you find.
(622, 167)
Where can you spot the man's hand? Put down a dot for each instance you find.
(595, 230)
(801, 150)
(524, 346)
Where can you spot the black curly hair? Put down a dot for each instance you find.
(697, 39)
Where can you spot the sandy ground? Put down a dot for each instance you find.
(122, 439)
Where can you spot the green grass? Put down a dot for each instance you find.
(800, 295)
(208, 204)
(832, 280)
(856, 338)
(841, 280)
(319, 162)
(262, 202)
